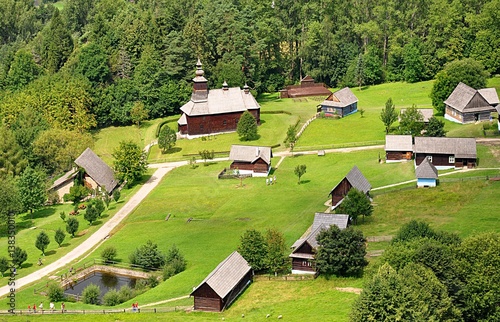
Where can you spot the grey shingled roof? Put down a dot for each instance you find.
(426, 112)
(70, 175)
(398, 143)
(97, 169)
(249, 153)
(463, 94)
(182, 120)
(490, 95)
(322, 221)
(459, 147)
(426, 170)
(221, 101)
(227, 274)
(341, 98)
(358, 180)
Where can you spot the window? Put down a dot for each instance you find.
(224, 122)
(451, 159)
(429, 158)
(304, 263)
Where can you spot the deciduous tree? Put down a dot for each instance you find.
(148, 255)
(355, 204)
(276, 258)
(435, 128)
(300, 170)
(253, 248)
(130, 162)
(42, 241)
(247, 127)
(388, 115)
(341, 252)
(19, 256)
(59, 236)
(138, 113)
(72, 226)
(411, 121)
(32, 189)
(91, 214)
(166, 138)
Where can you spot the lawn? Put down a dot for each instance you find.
(47, 219)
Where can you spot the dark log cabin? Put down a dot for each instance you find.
(307, 87)
(398, 148)
(216, 110)
(304, 249)
(354, 179)
(254, 160)
(223, 285)
(446, 153)
(467, 105)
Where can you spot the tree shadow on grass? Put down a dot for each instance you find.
(26, 265)
(172, 150)
(304, 181)
(50, 252)
(42, 213)
(253, 139)
(64, 245)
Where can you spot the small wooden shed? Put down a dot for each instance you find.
(341, 103)
(223, 285)
(354, 179)
(304, 249)
(427, 174)
(253, 160)
(398, 148)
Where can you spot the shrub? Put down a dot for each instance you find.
(111, 298)
(126, 293)
(108, 254)
(53, 198)
(55, 293)
(4, 265)
(152, 281)
(148, 255)
(90, 294)
(62, 214)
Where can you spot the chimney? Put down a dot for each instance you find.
(225, 87)
(246, 89)
(257, 151)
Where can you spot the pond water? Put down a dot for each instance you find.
(105, 281)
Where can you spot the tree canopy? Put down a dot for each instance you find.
(247, 127)
(130, 162)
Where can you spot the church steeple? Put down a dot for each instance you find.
(200, 83)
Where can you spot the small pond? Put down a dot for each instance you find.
(106, 282)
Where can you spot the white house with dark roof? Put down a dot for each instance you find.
(446, 153)
(212, 111)
(466, 104)
(254, 160)
(353, 179)
(96, 174)
(398, 148)
(426, 174)
(223, 285)
(341, 103)
(304, 249)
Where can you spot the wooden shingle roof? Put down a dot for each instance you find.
(341, 98)
(221, 101)
(322, 221)
(247, 153)
(398, 143)
(459, 147)
(357, 180)
(426, 170)
(99, 171)
(227, 274)
(467, 98)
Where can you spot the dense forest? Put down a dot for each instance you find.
(96, 63)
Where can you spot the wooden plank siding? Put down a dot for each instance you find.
(398, 155)
(208, 124)
(444, 160)
(205, 299)
(340, 191)
(299, 264)
(257, 166)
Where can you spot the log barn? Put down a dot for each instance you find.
(341, 103)
(254, 160)
(304, 249)
(446, 153)
(398, 148)
(92, 170)
(216, 110)
(307, 87)
(223, 285)
(426, 174)
(466, 104)
(354, 179)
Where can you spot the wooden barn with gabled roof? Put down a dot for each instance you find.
(426, 174)
(446, 153)
(95, 173)
(398, 148)
(223, 285)
(307, 87)
(215, 110)
(304, 249)
(341, 103)
(254, 160)
(466, 104)
(354, 179)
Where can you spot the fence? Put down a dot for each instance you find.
(104, 311)
(338, 145)
(284, 277)
(225, 175)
